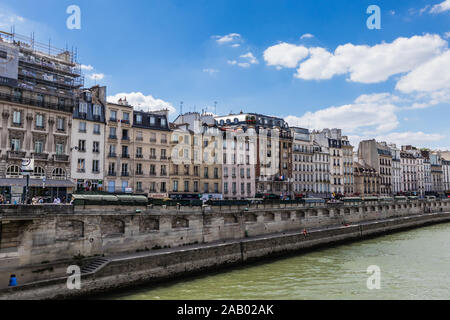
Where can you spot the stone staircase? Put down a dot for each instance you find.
(94, 265)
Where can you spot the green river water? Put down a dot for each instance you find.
(414, 265)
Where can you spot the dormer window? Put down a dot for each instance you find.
(152, 121)
(139, 118)
(82, 108)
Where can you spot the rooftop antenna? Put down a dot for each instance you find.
(181, 107)
(215, 107)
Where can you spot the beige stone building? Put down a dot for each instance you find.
(151, 151)
(366, 180)
(196, 168)
(137, 150)
(38, 91)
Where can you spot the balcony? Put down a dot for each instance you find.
(152, 174)
(153, 140)
(163, 158)
(125, 174)
(35, 102)
(125, 121)
(111, 173)
(163, 141)
(163, 174)
(112, 155)
(139, 156)
(112, 137)
(40, 156)
(125, 156)
(152, 157)
(139, 139)
(125, 138)
(16, 154)
(61, 158)
(139, 173)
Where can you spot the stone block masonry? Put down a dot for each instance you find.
(154, 243)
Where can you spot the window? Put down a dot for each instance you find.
(124, 169)
(206, 172)
(39, 121)
(81, 165)
(59, 173)
(163, 122)
(163, 170)
(82, 108)
(96, 147)
(111, 168)
(152, 121)
(82, 145)
(97, 110)
(126, 116)
(82, 127)
(15, 144)
(139, 136)
(139, 152)
(17, 117)
(139, 186)
(38, 172)
(139, 118)
(205, 187)
(139, 168)
(59, 149)
(186, 186)
(112, 133)
(152, 137)
(96, 128)
(195, 186)
(113, 115)
(38, 146)
(225, 187)
(95, 166)
(175, 186)
(216, 188)
(60, 124)
(163, 187)
(13, 171)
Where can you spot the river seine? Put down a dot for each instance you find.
(413, 265)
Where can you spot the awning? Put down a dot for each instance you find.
(49, 183)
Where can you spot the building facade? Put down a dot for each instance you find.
(88, 140)
(39, 87)
(366, 180)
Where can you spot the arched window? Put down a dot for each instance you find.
(236, 120)
(38, 172)
(222, 122)
(228, 121)
(59, 173)
(13, 171)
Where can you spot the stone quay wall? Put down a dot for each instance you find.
(49, 237)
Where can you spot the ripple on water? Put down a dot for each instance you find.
(414, 265)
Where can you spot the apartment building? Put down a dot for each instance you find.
(409, 173)
(196, 158)
(39, 86)
(366, 180)
(150, 153)
(341, 159)
(272, 150)
(118, 143)
(437, 174)
(321, 162)
(396, 176)
(88, 139)
(303, 171)
(446, 176)
(378, 155)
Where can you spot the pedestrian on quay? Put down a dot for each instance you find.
(12, 281)
(305, 233)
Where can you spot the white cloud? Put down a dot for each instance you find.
(140, 101)
(411, 138)
(370, 113)
(229, 38)
(307, 36)
(433, 75)
(211, 71)
(441, 7)
(285, 55)
(96, 76)
(235, 45)
(250, 57)
(368, 64)
(232, 62)
(9, 19)
(447, 34)
(244, 64)
(87, 67)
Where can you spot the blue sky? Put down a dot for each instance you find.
(314, 63)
